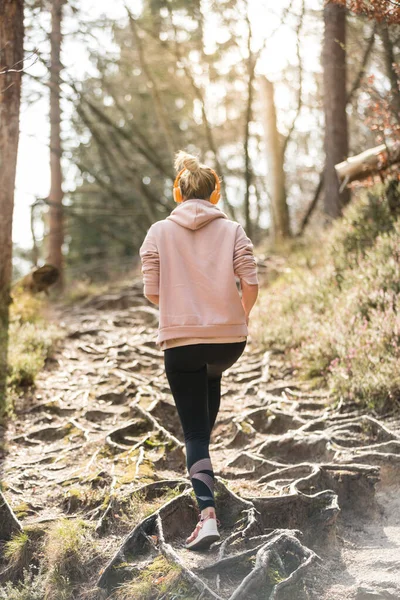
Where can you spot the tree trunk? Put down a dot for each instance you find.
(251, 64)
(56, 216)
(391, 71)
(11, 57)
(336, 131)
(279, 209)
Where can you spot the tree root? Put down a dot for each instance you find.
(294, 460)
(280, 559)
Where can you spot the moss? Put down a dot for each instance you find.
(153, 442)
(145, 472)
(275, 576)
(77, 497)
(246, 427)
(23, 509)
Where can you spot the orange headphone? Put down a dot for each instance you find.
(214, 198)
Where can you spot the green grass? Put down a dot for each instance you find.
(16, 550)
(334, 312)
(31, 341)
(83, 289)
(160, 579)
(31, 587)
(67, 549)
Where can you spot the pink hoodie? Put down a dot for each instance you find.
(190, 259)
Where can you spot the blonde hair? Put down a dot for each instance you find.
(198, 180)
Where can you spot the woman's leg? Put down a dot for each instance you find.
(194, 374)
(220, 358)
(186, 371)
(214, 399)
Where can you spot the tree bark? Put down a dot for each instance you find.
(335, 99)
(390, 62)
(279, 209)
(11, 64)
(371, 161)
(251, 64)
(56, 213)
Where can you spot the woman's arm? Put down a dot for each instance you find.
(245, 268)
(249, 297)
(150, 267)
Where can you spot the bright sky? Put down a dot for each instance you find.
(33, 177)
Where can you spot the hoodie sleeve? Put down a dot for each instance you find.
(244, 264)
(150, 264)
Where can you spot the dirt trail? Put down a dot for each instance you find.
(307, 493)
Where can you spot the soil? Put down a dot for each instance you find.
(307, 490)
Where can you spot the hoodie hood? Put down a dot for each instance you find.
(196, 213)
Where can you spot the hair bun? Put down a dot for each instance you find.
(183, 160)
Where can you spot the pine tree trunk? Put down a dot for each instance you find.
(11, 57)
(336, 130)
(56, 216)
(276, 173)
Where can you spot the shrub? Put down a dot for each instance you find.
(338, 320)
(32, 587)
(31, 341)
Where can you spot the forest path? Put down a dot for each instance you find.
(306, 491)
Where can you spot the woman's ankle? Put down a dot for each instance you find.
(208, 512)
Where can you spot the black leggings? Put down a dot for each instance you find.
(194, 373)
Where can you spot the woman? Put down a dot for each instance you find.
(189, 263)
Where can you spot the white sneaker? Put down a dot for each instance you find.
(204, 534)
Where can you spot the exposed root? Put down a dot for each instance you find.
(156, 425)
(246, 532)
(293, 460)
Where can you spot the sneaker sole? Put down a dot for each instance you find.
(204, 543)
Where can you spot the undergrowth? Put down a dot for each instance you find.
(31, 341)
(31, 587)
(335, 310)
(160, 579)
(54, 564)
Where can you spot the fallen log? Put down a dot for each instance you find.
(38, 280)
(368, 162)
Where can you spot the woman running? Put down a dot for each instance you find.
(189, 263)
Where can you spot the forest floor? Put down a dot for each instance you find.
(307, 490)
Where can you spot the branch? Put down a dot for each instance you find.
(12, 69)
(209, 134)
(312, 206)
(161, 115)
(300, 99)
